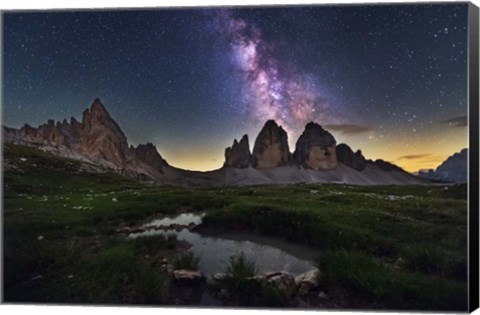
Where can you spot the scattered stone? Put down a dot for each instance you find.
(314, 192)
(40, 237)
(223, 294)
(323, 296)
(137, 230)
(23, 159)
(124, 230)
(114, 199)
(168, 268)
(398, 263)
(37, 278)
(70, 276)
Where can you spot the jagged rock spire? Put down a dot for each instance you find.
(271, 147)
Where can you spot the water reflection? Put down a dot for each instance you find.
(269, 253)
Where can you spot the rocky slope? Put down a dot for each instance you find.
(317, 158)
(453, 169)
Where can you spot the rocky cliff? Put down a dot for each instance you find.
(271, 147)
(97, 138)
(346, 156)
(238, 155)
(316, 148)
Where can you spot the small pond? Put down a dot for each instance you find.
(269, 253)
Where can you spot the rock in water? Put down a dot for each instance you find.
(284, 282)
(346, 156)
(307, 281)
(316, 148)
(271, 147)
(184, 276)
(238, 155)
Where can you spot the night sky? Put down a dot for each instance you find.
(390, 80)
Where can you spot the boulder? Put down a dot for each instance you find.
(307, 281)
(185, 276)
(283, 282)
(271, 147)
(315, 149)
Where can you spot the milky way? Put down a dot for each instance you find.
(272, 89)
(390, 80)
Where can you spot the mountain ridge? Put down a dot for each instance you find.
(453, 169)
(317, 158)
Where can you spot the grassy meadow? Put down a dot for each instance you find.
(382, 247)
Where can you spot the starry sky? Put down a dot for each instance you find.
(390, 80)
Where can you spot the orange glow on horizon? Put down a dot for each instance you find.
(410, 151)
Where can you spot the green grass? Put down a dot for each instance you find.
(247, 291)
(372, 279)
(243, 290)
(75, 213)
(389, 246)
(414, 232)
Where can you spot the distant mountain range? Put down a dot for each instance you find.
(317, 157)
(453, 169)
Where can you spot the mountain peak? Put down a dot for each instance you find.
(316, 148)
(271, 122)
(97, 107)
(271, 147)
(238, 155)
(314, 127)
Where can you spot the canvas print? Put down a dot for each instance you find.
(299, 157)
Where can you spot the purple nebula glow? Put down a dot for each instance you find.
(272, 90)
